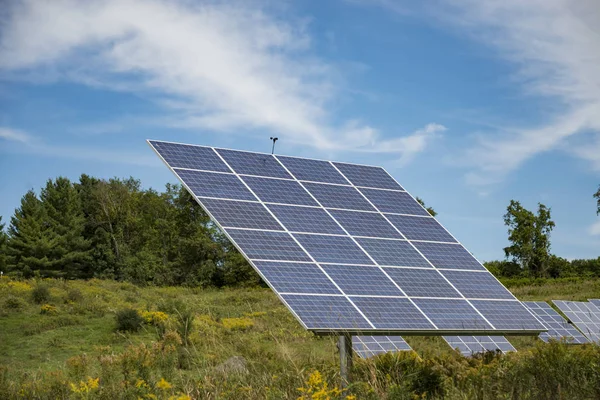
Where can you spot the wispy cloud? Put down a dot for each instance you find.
(26, 143)
(14, 135)
(555, 47)
(594, 229)
(216, 66)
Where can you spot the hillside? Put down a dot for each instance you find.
(67, 346)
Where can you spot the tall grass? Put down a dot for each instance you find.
(187, 335)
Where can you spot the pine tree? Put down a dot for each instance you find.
(70, 254)
(29, 242)
(3, 240)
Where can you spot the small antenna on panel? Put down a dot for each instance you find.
(274, 139)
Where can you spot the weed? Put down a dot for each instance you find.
(129, 320)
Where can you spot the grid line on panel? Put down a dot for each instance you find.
(242, 162)
(235, 214)
(353, 239)
(190, 157)
(469, 345)
(582, 316)
(214, 184)
(558, 327)
(299, 244)
(387, 201)
(337, 196)
(270, 190)
(420, 228)
(368, 176)
(422, 255)
(369, 346)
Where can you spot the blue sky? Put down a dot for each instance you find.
(468, 104)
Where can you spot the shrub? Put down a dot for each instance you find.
(48, 309)
(237, 324)
(14, 303)
(40, 294)
(155, 318)
(74, 296)
(129, 320)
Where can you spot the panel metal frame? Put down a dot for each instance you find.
(365, 332)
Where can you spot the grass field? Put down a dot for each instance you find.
(67, 346)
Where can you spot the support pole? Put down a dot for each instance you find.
(345, 347)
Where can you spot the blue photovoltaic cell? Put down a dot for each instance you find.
(241, 214)
(558, 327)
(420, 228)
(452, 314)
(332, 249)
(257, 164)
(469, 345)
(335, 196)
(361, 175)
(369, 346)
(388, 312)
(263, 245)
(359, 223)
(212, 184)
(422, 282)
(312, 170)
(358, 280)
(305, 219)
(477, 285)
(388, 201)
(508, 315)
(398, 253)
(279, 191)
(584, 315)
(326, 312)
(452, 256)
(288, 277)
(186, 156)
(315, 231)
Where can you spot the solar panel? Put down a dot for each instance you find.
(558, 327)
(585, 316)
(344, 246)
(469, 345)
(369, 346)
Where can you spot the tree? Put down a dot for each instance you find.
(3, 240)
(29, 242)
(69, 256)
(529, 235)
(430, 210)
(597, 196)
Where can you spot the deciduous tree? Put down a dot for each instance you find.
(529, 235)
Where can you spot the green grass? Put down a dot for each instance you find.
(58, 355)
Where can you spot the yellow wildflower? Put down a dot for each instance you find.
(163, 384)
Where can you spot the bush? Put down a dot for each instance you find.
(129, 320)
(48, 309)
(40, 294)
(14, 303)
(74, 296)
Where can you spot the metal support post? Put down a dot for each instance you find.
(345, 347)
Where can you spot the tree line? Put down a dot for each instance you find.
(115, 229)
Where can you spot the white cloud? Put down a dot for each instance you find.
(14, 135)
(27, 143)
(555, 46)
(231, 68)
(594, 229)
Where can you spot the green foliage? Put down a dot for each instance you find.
(529, 235)
(40, 294)
(597, 197)
(430, 210)
(3, 243)
(14, 303)
(129, 320)
(115, 229)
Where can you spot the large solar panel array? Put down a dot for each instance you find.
(369, 346)
(344, 246)
(558, 327)
(585, 316)
(469, 345)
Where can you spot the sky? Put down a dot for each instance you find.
(468, 104)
